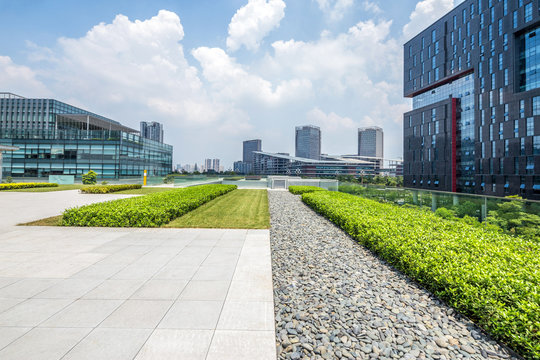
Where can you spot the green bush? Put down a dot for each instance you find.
(105, 189)
(491, 277)
(90, 178)
(169, 179)
(299, 190)
(15, 186)
(445, 213)
(144, 211)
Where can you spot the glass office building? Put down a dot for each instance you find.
(55, 138)
(308, 142)
(473, 77)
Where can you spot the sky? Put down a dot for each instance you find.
(217, 72)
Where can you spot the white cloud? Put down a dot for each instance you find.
(335, 9)
(253, 22)
(330, 122)
(231, 81)
(20, 79)
(371, 7)
(425, 13)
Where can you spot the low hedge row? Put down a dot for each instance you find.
(492, 278)
(299, 190)
(105, 189)
(15, 186)
(144, 211)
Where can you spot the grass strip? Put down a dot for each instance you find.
(490, 277)
(49, 189)
(145, 190)
(151, 210)
(240, 209)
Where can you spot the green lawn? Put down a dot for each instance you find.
(47, 189)
(239, 209)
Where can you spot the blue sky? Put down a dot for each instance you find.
(219, 72)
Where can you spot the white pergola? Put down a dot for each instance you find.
(2, 149)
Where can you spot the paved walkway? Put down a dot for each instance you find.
(94, 293)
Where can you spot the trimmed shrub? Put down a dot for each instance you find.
(15, 186)
(90, 178)
(489, 276)
(151, 210)
(105, 189)
(299, 190)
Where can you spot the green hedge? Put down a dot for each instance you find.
(105, 189)
(492, 278)
(144, 211)
(299, 190)
(15, 186)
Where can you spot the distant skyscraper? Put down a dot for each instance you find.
(211, 164)
(308, 142)
(370, 141)
(215, 165)
(152, 130)
(249, 147)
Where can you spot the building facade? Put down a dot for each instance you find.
(152, 130)
(250, 146)
(308, 142)
(371, 142)
(474, 80)
(55, 138)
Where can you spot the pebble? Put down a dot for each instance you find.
(335, 300)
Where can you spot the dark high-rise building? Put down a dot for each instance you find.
(249, 147)
(308, 142)
(370, 142)
(152, 130)
(474, 80)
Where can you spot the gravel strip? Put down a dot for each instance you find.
(335, 300)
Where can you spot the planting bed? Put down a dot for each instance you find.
(106, 189)
(299, 190)
(336, 300)
(488, 276)
(151, 210)
(17, 186)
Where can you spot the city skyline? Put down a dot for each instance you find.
(200, 71)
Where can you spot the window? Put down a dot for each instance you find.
(521, 108)
(516, 165)
(536, 105)
(529, 59)
(505, 42)
(515, 19)
(522, 146)
(516, 128)
(501, 165)
(505, 77)
(530, 126)
(500, 131)
(500, 27)
(530, 165)
(528, 12)
(536, 145)
(505, 7)
(500, 61)
(433, 35)
(506, 146)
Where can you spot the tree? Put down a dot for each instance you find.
(511, 217)
(90, 178)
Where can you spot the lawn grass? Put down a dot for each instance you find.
(144, 190)
(50, 221)
(239, 209)
(47, 189)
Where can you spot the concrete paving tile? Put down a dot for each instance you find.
(247, 316)
(5, 281)
(176, 272)
(114, 289)
(205, 290)
(69, 289)
(138, 314)
(10, 334)
(250, 291)
(82, 313)
(43, 344)
(99, 271)
(102, 343)
(9, 303)
(26, 288)
(32, 312)
(242, 345)
(140, 271)
(160, 290)
(218, 272)
(192, 315)
(176, 345)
